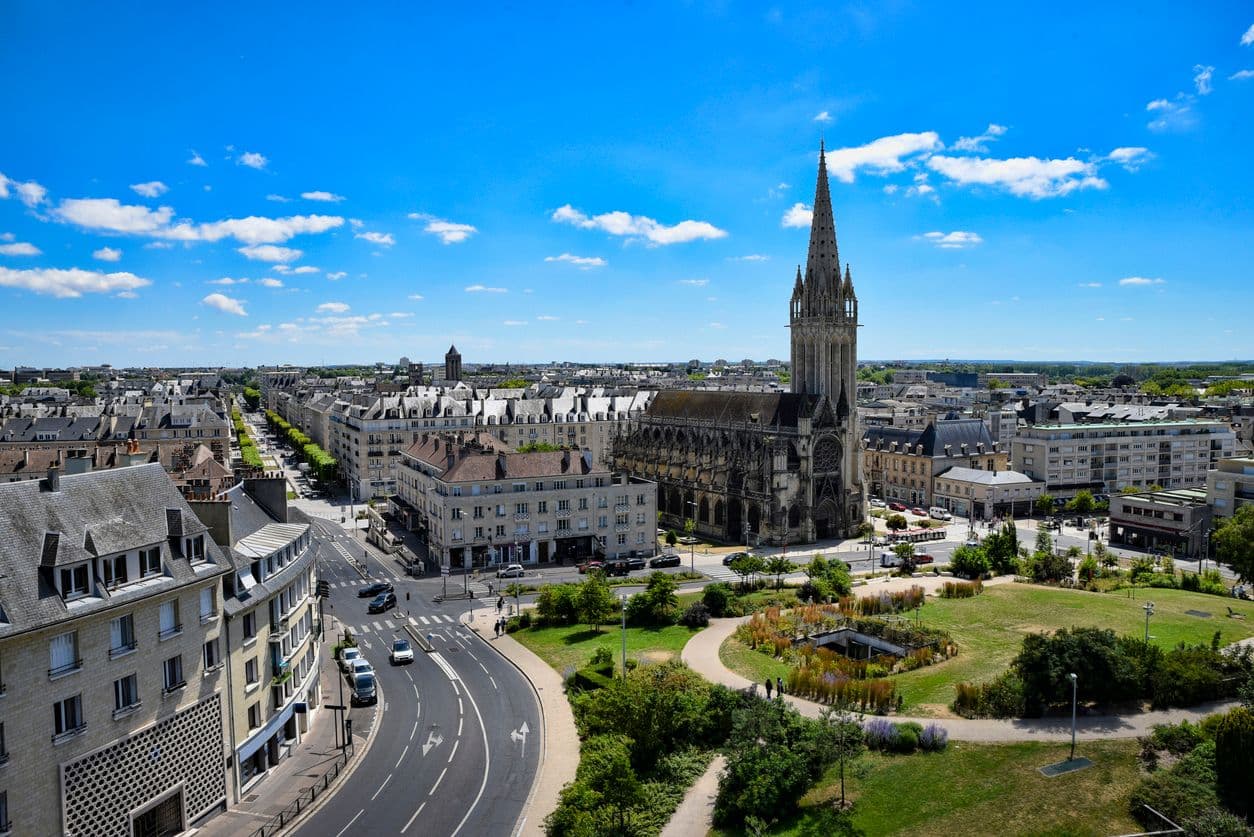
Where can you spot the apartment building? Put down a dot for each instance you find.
(1230, 485)
(478, 504)
(270, 638)
(983, 494)
(112, 589)
(1104, 458)
(900, 463)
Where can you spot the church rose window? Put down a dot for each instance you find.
(827, 455)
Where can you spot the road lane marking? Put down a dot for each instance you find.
(493, 679)
(414, 731)
(350, 822)
(460, 720)
(402, 758)
(454, 752)
(471, 653)
(415, 690)
(437, 782)
(381, 787)
(439, 660)
(377, 626)
(414, 817)
(424, 620)
(487, 760)
(485, 669)
(459, 704)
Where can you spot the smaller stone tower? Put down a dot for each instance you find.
(453, 364)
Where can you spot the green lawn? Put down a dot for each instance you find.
(977, 789)
(989, 630)
(572, 646)
(755, 665)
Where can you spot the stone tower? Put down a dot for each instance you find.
(453, 364)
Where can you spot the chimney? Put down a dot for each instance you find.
(53, 483)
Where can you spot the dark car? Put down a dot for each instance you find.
(671, 560)
(382, 602)
(616, 568)
(635, 563)
(372, 590)
(729, 558)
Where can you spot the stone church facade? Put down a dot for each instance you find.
(773, 468)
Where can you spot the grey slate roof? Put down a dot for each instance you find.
(40, 529)
(934, 438)
(975, 475)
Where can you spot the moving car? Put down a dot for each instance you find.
(877, 503)
(372, 590)
(382, 602)
(895, 506)
(616, 568)
(635, 563)
(727, 559)
(512, 571)
(920, 512)
(363, 689)
(401, 652)
(347, 656)
(589, 566)
(688, 540)
(671, 560)
(937, 513)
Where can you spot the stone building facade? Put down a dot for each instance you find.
(768, 467)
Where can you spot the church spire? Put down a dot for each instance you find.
(823, 260)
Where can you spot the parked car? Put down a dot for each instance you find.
(363, 689)
(370, 591)
(895, 506)
(382, 602)
(920, 512)
(727, 559)
(688, 540)
(589, 566)
(876, 503)
(512, 571)
(401, 652)
(357, 666)
(937, 513)
(616, 568)
(670, 560)
(347, 655)
(635, 563)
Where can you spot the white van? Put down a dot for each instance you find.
(937, 513)
(892, 559)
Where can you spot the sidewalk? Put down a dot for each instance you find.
(560, 756)
(695, 814)
(316, 754)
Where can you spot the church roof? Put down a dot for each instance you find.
(823, 257)
(731, 407)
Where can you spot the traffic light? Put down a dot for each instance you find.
(324, 588)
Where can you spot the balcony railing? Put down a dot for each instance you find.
(174, 630)
(72, 666)
(123, 649)
(522, 516)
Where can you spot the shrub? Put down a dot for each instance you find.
(1215, 822)
(1177, 739)
(906, 738)
(719, 599)
(1234, 759)
(934, 738)
(961, 589)
(878, 733)
(696, 616)
(558, 604)
(969, 562)
(1186, 677)
(524, 619)
(603, 657)
(1001, 697)
(1141, 566)
(1186, 790)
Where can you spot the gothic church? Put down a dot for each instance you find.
(774, 468)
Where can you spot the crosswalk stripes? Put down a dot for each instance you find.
(424, 620)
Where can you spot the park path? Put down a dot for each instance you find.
(695, 815)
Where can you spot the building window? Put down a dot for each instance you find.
(212, 657)
(172, 673)
(115, 571)
(455, 513)
(254, 716)
(583, 503)
(250, 625)
(500, 531)
(542, 507)
(125, 695)
(149, 561)
(121, 635)
(74, 582)
(539, 486)
(563, 505)
(603, 521)
(478, 532)
(63, 654)
(559, 485)
(520, 508)
(478, 513)
(67, 716)
(563, 525)
(250, 671)
(208, 605)
(622, 539)
(169, 624)
(196, 549)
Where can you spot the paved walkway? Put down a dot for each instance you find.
(560, 756)
(695, 814)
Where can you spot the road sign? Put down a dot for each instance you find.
(444, 571)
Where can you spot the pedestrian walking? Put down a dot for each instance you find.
(768, 688)
(496, 628)
(500, 603)
(779, 687)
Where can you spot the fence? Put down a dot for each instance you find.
(305, 798)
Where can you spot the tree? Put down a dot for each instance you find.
(779, 566)
(1234, 759)
(969, 561)
(828, 580)
(746, 566)
(896, 522)
(690, 527)
(671, 537)
(596, 602)
(1234, 542)
(1044, 505)
(841, 740)
(1104, 556)
(1081, 503)
(1044, 543)
(657, 604)
(905, 554)
(1002, 549)
(1088, 568)
(605, 765)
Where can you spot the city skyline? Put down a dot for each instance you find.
(354, 192)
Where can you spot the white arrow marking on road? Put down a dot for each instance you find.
(434, 739)
(520, 734)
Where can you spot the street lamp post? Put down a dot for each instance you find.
(1073, 701)
(692, 547)
(1148, 607)
(622, 600)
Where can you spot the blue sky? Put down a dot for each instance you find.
(244, 184)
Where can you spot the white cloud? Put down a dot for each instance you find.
(278, 198)
(270, 283)
(30, 192)
(696, 283)
(1248, 37)
(151, 189)
(19, 248)
(329, 197)
(196, 159)
(225, 304)
(514, 323)
(112, 216)
(715, 325)
(823, 116)
(416, 297)
(401, 315)
(752, 257)
(798, 215)
(1137, 281)
(281, 268)
(582, 262)
(638, 226)
(337, 275)
(253, 160)
(1023, 176)
(1241, 75)
(158, 245)
(449, 232)
(270, 253)
(1171, 115)
(260, 230)
(107, 254)
(891, 189)
(357, 223)
(69, 283)
(1202, 79)
(481, 289)
(382, 239)
(227, 280)
(8, 236)
(108, 215)
(305, 268)
(1090, 284)
(126, 295)
(882, 156)
(956, 240)
(333, 307)
(547, 317)
(979, 143)
(1130, 158)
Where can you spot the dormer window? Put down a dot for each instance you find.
(74, 582)
(114, 570)
(149, 562)
(194, 549)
